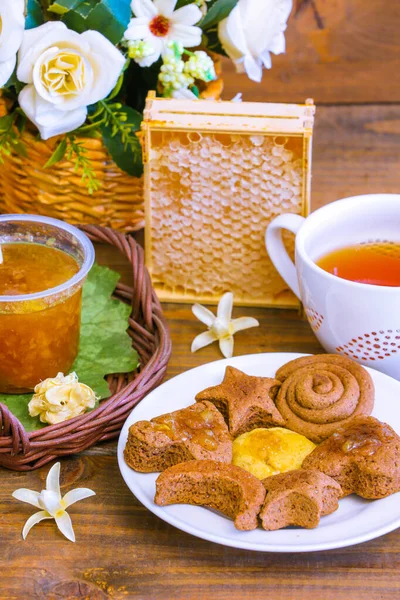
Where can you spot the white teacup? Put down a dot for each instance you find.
(358, 320)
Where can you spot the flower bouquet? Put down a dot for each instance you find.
(74, 76)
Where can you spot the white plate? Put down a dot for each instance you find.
(355, 521)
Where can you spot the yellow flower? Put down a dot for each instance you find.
(60, 398)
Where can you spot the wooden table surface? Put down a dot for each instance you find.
(124, 551)
(344, 54)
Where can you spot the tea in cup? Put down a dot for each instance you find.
(347, 275)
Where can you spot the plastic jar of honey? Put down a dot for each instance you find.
(43, 265)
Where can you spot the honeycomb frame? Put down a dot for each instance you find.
(216, 173)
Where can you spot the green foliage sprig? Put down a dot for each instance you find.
(73, 150)
(10, 135)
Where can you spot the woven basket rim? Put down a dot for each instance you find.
(23, 451)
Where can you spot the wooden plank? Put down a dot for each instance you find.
(122, 550)
(356, 150)
(337, 51)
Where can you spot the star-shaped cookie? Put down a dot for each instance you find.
(299, 498)
(246, 402)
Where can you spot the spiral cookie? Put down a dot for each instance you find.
(321, 393)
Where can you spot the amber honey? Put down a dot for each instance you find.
(372, 263)
(39, 336)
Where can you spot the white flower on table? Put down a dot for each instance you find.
(65, 72)
(12, 25)
(221, 327)
(252, 30)
(57, 399)
(158, 23)
(52, 505)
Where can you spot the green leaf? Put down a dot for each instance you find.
(58, 153)
(105, 346)
(109, 17)
(121, 142)
(182, 3)
(60, 7)
(34, 14)
(218, 11)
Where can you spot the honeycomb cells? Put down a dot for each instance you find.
(212, 197)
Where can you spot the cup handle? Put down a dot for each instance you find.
(277, 251)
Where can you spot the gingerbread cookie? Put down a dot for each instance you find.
(362, 456)
(198, 431)
(299, 498)
(322, 392)
(226, 488)
(245, 401)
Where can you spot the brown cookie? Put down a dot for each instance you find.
(226, 488)
(299, 498)
(196, 432)
(322, 392)
(362, 456)
(245, 401)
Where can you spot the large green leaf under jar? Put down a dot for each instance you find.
(105, 346)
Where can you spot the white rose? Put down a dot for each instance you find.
(65, 72)
(12, 25)
(252, 30)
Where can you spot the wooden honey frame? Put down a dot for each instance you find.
(244, 118)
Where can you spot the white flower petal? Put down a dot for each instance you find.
(137, 29)
(278, 44)
(46, 117)
(203, 314)
(165, 7)
(36, 518)
(12, 21)
(187, 15)
(147, 61)
(28, 496)
(6, 70)
(231, 35)
(49, 501)
(53, 479)
(225, 306)
(34, 42)
(226, 346)
(107, 63)
(266, 60)
(253, 68)
(252, 30)
(75, 495)
(243, 323)
(187, 36)
(64, 524)
(202, 340)
(143, 8)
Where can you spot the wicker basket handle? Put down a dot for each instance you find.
(11, 426)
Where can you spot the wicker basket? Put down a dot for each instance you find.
(22, 451)
(26, 187)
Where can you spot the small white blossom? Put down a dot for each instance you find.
(57, 399)
(221, 327)
(158, 23)
(139, 49)
(172, 73)
(200, 66)
(52, 504)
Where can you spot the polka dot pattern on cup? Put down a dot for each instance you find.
(314, 318)
(376, 345)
